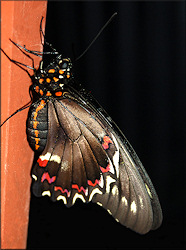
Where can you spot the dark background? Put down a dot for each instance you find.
(135, 70)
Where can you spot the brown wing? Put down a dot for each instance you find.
(74, 162)
(84, 158)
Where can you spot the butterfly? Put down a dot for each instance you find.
(82, 152)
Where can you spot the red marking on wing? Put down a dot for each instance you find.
(62, 191)
(42, 163)
(46, 176)
(75, 186)
(93, 184)
(106, 141)
(104, 170)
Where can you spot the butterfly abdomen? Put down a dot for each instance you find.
(37, 126)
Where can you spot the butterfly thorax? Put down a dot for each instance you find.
(53, 80)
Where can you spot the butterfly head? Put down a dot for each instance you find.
(54, 79)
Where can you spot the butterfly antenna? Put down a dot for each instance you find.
(42, 37)
(95, 38)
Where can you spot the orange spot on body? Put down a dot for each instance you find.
(35, 123)
(41, 80)
(51, 71)
(58, 93)
(37, 140)
(48, 93)
(37, 89)
(55, 79)
(41, 105)
(48, 80)
(61, 71)
(36, 133)
(35, 115)
(36, 147)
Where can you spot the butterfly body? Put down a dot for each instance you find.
(47, 85)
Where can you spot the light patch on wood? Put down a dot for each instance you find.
(133, 207)
(46, 193)
(63, 198)
(94, 191)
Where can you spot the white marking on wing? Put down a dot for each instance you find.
(48, 157)
(78, 196)
(109, 180)
(46, 193)
(64, 165)
(55, 158)
(124, 200)
(34, 177)
(99, 204)
(141, 201)
(45, 157)
(148, 190)
(116, 156)
(61, 197)
(94, 191)
(109, 211)
(133, 207)
(115, 190)
(101, 183)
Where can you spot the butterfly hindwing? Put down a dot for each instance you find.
(73, 163)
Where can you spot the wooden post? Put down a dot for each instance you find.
(20, 21)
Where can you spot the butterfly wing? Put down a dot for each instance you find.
(86, 157)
